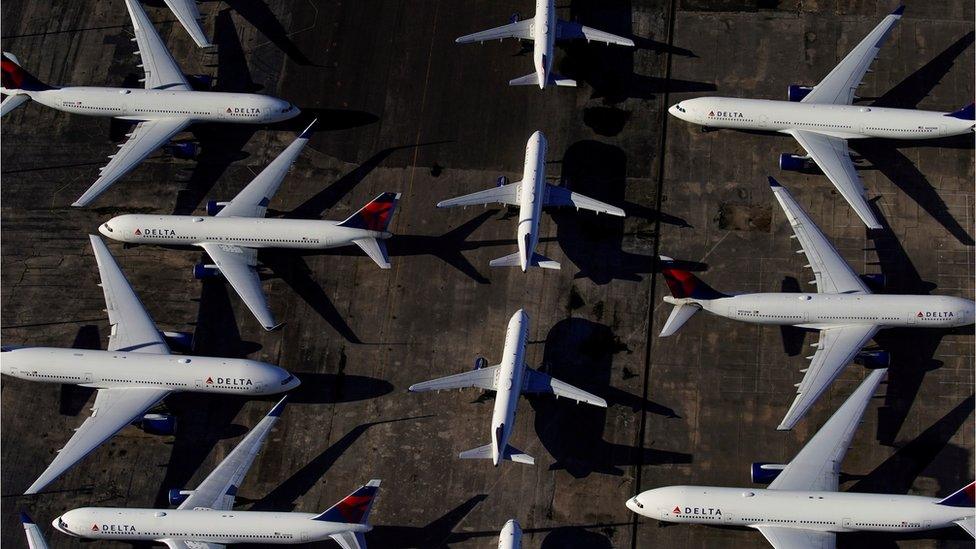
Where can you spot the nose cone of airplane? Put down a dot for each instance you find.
(61, 524)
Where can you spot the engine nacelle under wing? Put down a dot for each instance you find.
(214, 207)
(185, 150)
(764, 473)
(792, 163)
(177, 496)
(873, 359)
(796, 93)
(158, 424)
(201, 271)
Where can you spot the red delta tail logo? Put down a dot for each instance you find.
(681, 283)
(353, 508)
(209, 381)
(13, 75)
(376, 214)
(676, 510)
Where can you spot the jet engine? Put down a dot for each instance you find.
(180, 341)
(516, 16)
(501, 181)
(876, 282)
(177, 496)
(158, 424)
(796, 93)
(480, 362)
(200, 82)
(873, 359)
(214, 207)
(185, 150)
(791, 162)
(202, 271)
(764, 473)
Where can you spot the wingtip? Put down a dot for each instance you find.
(25, 518)
(773, 183)
(307, 132)
(274, 327)
(375, 483)
(899, 11)
(278, 408)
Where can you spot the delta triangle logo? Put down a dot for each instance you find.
(94, 527)
(711, 113)
(920, 315)
(209, 381)
(677, 510)
(229, 111)
(138, 232)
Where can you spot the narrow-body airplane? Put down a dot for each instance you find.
(235, 230)
(544, 29)
(802, 507)
(509, 379)
(531, 194)
(206, 517)
(823, 118)
(843, 308)
(166, 106)
(134, 374)
(511, 536)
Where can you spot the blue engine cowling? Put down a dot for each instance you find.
(179, 341)
(158, 424)
(796, 93)
(177, 496)
(200, 82)
(764, 473)
(873, 359)
(480, 363)
(501, 181)
(186, 150)
(876, 282)
(516, 16)
(791, 162)
(201, 272)
(214, 207)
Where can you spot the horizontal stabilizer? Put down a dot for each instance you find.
(515, 260)
(527, 80)
(511, 453)
(560, 80)
(350, 540)
(968, 524)
(376, 250)
(679, 315)
(12, 102)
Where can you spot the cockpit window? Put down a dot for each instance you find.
(108, 228)
(288, 379)
(680, 108)
(288, 108)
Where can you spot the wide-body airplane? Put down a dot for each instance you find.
(509, 379)
(530, 194)
(511, 536)
(206, 519)
(822, 119)
(134, 374)
(843, 308)
(802, 507)
(544, 29)
(163, 109)
(237, 229)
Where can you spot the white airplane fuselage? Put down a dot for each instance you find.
(511, 536)
(188, 230)
(544, 39)
(224, 527)
(818, 311)
(843, 121)
(117, 369)
(822, 511)
(531, 197)
(142, 104)
(511, 374)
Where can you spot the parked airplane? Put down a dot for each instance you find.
(35, 539)
(188, 14)
(511, 536)
(544, 29)
(802, 507)
(822, 119)
(134, 374)
(843, 309)
(238, 229)
(206, 517)
(163, 109)
(509, 379)
(530, 195)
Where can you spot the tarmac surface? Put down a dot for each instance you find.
(402, 108)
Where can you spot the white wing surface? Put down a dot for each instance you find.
(833, 158)
(560, 196)
(219, 489)
(132, 328)
(833, 275)
(161, 70)
(238, 265)
(538, 382)
(837, 348)
(505, 194)
(794, 538)
(350, 540)
(113, 410)
(817, 467)
(145, 138)
(568, 30)
(839, 86)
(35, 539)
(484, 378)
(188, 14)
(520, 29)
(254, 199)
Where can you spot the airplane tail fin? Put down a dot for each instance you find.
(683, 284)
(679, 315)
(374, 216)
(511, 453)
(963, 497)
(14, 78)
(966, 113)
(354, 508)
(376, 250)
(515, 260)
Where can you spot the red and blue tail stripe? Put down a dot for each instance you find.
(683, 284)
(963, 497)
(14, 77)
(354, 508)
(376, 215)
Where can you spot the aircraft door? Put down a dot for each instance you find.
(88, 377)
(763, 120)
(198, 383)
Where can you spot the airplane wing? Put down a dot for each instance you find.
(817, 467)
(561, 196)
(188, 14)
(520, 29)
(145, 138)
(505, 194)
(833, 158)
(839, 86)
(836, 349)
(237, 264)
(568, 30)
(187, 544)
(35, 539)
(114, 409)
(538, 382)
(161, 69)
(795, 538)
(832, 274)
(483, 378)
(254, 199)
(132, 328)
(219, 489)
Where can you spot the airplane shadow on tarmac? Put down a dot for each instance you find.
(580, 352)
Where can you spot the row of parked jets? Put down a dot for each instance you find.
(800, 507)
